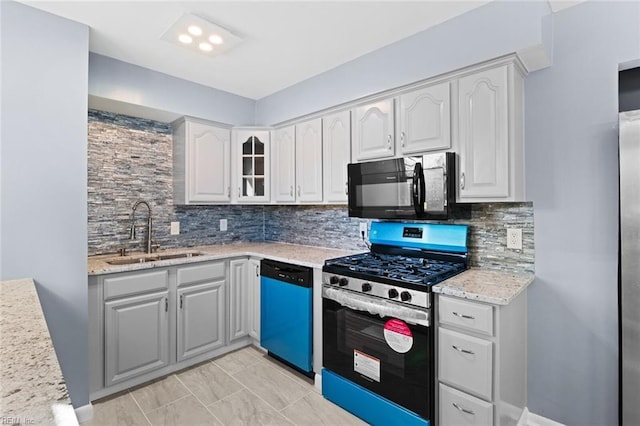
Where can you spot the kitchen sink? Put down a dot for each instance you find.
(154, 258)
(131, 260)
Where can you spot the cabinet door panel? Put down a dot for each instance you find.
(336, 145)
(284, 164)
(425, 120)
(136, 336)
(309, 160)
(484, 132)
(208, 160)
(200, 319)
(458, 408)
(373, 126)
(238, 299)
(466, 362)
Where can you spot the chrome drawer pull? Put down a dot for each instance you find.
(464, 410)
(463, 316)
(464, 351)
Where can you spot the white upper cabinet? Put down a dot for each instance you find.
(252, 165)
(373, 131)
(336, 146)
(309, 161)
(491, 162)
(424, 118)
(201, 160)
(284, 167)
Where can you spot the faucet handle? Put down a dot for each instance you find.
(154, 246)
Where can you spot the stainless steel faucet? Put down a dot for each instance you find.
(132, 232)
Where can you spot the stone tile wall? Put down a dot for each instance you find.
(131, 159)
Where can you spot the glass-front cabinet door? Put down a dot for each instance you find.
(252, 171)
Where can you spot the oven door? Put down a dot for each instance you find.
(389, 356)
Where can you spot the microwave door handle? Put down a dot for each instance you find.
(418, 189)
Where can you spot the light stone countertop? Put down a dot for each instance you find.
(483, 285)
(31, 383)
(313, 257)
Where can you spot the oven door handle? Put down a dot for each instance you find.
(418, 189)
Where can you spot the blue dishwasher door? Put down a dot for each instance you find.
(286, 321)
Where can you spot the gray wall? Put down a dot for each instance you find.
(123, 82)
(495, 29)
(44, 174)
(571, 172)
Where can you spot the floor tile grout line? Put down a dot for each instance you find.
(139, 407)
(199, 400)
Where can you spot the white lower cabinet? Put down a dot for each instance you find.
(253, 278)
(137, 336)
(238, 299)
(147, 324)
(459, 408)
(201, 317)
(482, 367)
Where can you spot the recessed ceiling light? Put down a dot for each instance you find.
(195, 30)
(185, 38)
(200, 36)
(216, 39)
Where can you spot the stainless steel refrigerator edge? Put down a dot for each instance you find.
(630, 266)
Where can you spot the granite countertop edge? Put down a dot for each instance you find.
(485, 285)
(310, 256)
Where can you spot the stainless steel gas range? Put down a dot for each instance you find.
(378, 337)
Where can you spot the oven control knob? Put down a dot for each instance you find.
(343, 281)
(405, 296)
(333, 280)
(366, 287)
(393, 293)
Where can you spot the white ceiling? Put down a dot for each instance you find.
(284, 43)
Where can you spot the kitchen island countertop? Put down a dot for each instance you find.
(32, 384)
(484, 285)
(293, 253)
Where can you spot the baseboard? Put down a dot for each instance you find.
(84, 413)
(530, 419)
(317, 383)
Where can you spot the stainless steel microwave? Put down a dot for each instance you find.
(417, 187)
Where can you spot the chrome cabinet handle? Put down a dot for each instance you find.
(402, 139)
(389, 142)
(463, 316)
(238, 192)
(181, 296)
(462, 181)
(298, 190)
(346, 188)
(464, 351)
(166, 304)
(463, 410)
(228, 191)
(291, 190)
(257, 270)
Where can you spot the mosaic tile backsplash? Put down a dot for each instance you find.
(131, 159)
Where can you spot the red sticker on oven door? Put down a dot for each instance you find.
(398, 335)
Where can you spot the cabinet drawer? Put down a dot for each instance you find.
(199, 273)
(469, 315)
(458, 408)
(465, 362)
(129, 284)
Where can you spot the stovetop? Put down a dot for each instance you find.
(404, 271)
(405, 261)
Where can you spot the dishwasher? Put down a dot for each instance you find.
(286, 313)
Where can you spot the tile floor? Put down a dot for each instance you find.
(244, 387)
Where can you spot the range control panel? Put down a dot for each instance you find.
(384, 291)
